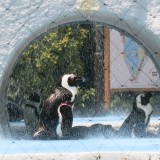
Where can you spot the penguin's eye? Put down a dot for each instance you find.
(71, 81)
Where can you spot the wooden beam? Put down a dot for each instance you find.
(135, 89)
(106, 67)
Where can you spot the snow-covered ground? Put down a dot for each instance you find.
(85, 149)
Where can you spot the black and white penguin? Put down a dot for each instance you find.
(31, 112)
(137, 121)
(56, 116)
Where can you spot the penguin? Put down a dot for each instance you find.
(31, 112)
(56, 116)
(136, 123)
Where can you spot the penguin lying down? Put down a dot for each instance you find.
(135, 125)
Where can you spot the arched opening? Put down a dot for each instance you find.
(45, 61)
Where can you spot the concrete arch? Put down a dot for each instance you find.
(22, 21)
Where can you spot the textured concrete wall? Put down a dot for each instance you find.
(22, 21)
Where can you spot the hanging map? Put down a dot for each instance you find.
(134, 57)
(130, 67)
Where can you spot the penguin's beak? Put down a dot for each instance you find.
(148, 95)
(80, 80)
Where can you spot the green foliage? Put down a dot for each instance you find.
(84, 104)
(121, 102)
(47, 58)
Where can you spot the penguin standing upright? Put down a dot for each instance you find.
(31, 111)
(137, 121)
(56, 116)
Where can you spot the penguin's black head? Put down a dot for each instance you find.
(142, 99)
(75, 80)
(72, 80)
(145, 98)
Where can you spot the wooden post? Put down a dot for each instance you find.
(98, 62)
(106, 67)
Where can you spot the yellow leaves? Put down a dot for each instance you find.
(52, 55)
(50, 36)
(38, 64)
(35, 46)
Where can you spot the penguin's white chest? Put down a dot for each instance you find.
(148, 109)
